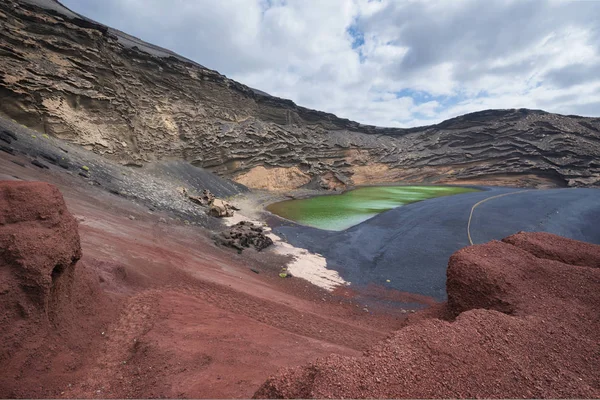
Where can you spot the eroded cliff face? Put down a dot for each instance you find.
(70, 77)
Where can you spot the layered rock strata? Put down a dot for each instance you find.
(70, 77)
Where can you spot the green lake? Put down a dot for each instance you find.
(339, 212)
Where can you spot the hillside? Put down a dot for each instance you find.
(70, 77)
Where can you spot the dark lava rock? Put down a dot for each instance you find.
(5, 138)
(50, 158)
(8, 134)
(244, 235)
(39, 164)
(63, 164)
(7, 149)
(204, 200)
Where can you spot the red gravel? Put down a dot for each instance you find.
(156, 310)
(526, 325)
(151, 309)
(45, 317)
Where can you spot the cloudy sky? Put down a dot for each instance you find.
(387, 63)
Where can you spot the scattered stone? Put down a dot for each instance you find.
(162, 220)
(9, 134)
(50, 158)
(205, 200)
(220, 208)
(131, 217)
(255, 271)
(217, 207)
(85, 168)
(5, 138)
(134, 164)
(63, 163)
(39, 164)
(7, 149)
(243, 235)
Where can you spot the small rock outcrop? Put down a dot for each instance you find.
(220, 208)
(244, 235)
(205, 200)
(216, 207)
(39, 249)
(521, 322)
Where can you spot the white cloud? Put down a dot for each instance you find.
(388, 63)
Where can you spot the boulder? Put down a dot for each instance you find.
(205, 200)
(220, 208)
(243, 235)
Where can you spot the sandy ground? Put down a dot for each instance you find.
(187, 319)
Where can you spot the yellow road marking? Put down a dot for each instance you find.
(483, 201)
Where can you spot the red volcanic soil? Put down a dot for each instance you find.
(121, 304)
(151, 309)
(522, 320)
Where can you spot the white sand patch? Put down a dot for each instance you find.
(306, 265)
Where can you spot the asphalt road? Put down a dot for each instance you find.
(410, 245)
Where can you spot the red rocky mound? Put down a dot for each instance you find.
(44, 298)
(39, 247)
(522, 320)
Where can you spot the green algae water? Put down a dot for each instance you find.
(339, 212)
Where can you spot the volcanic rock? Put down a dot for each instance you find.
(73, 78)
(205, 200)
(216, 207)
(521, 321)
(39, 164)
(39, 248)
(7, 149)
(243, 235)
(220, 208)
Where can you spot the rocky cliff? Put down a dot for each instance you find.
(70, 77)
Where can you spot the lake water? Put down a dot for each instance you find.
(339, 212)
